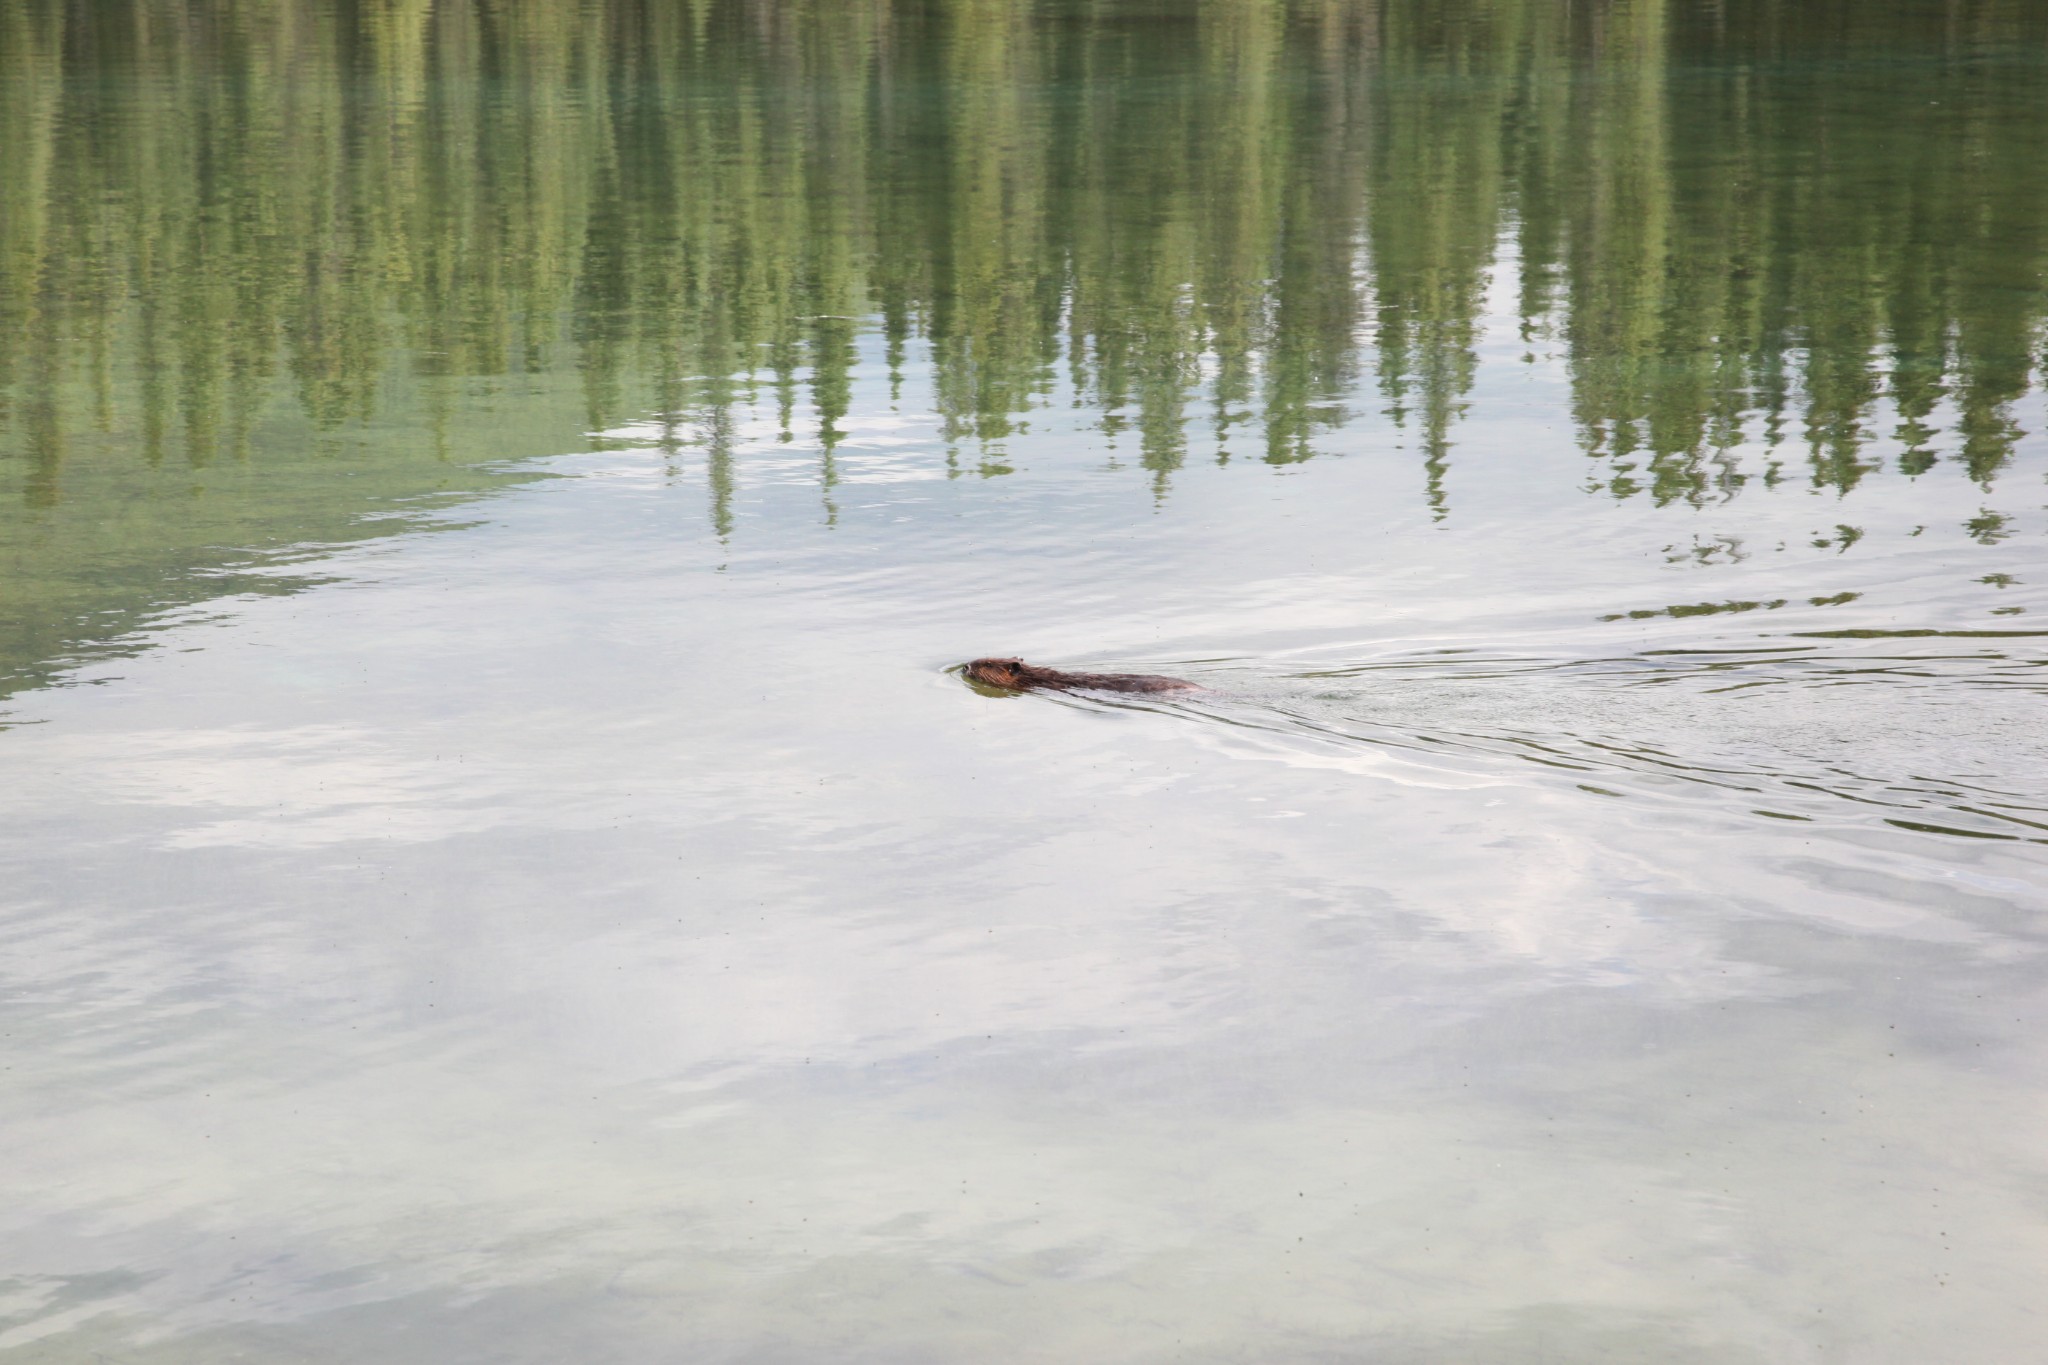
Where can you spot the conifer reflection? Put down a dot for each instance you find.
(1214, 221)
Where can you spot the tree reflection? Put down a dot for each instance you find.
(1212, 221)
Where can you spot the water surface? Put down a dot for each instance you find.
(496, 867)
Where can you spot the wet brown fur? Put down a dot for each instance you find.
(1018, 676)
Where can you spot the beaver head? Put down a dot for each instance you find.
(1008, 673)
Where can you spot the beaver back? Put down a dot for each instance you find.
(1018, 676)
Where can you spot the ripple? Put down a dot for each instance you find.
(1766, 731)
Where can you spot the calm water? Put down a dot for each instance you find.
(494, 867)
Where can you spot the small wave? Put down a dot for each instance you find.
(1945, 741)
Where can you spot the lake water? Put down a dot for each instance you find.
(494, 866)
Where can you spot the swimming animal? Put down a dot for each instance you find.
(1017, 676)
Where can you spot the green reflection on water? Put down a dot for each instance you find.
(264, 267)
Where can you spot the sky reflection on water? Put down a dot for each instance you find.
(493, 866)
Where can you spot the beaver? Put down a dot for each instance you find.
(1017, 676)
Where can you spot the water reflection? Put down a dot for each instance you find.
(1764, 236)
(607, 934)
